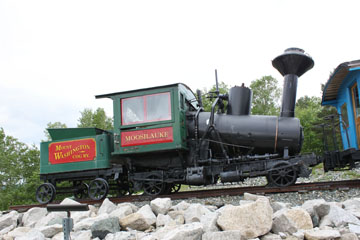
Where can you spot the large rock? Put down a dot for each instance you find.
(322, 209)
(33, 234)
(252, 220)
(163, 220)
(135, 221)
(309, 205)
(120, 236)
(8, 220)
(271, 236)
(177, 216)
(103, 227)
(353, 206)
(338, 217)
(192, 231)
(18, 232)
(291, 220)
(182, 206)
(281, 223)
(160, 232)
(322, 234)
(86, 224)
(106, 207)
(79, 216)
(160, 205)
(148, 214)
(276, 206)
(122, 211)
(50, 231)
(133, 207)
(354, 228)
(194, 213)
(349, 236)
(30, 218)
(82, 235)
(253, 197)
(51, 218)
(6, 230)
(209, 222)
(224, 235)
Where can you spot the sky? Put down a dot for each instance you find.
(55, 56)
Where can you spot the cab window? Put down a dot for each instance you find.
(147, 108)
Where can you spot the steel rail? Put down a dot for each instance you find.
(235, 191)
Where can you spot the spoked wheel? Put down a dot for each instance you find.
(45, 193)
(81, 190)
(154, 185)
(98, 189)
(282, 174)
(175, 187)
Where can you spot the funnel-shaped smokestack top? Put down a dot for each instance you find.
(293, 61)
(291, 64)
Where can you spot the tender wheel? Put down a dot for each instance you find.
(81, 191)
(175, 187)
(282, 174)
(45, 193)
(98, 189)
(154, 185)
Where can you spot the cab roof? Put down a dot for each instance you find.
(109, 95)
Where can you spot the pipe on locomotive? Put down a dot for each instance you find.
(291, 64)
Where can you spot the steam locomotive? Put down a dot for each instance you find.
(163, 138)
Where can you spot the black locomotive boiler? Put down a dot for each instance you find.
(163, 138)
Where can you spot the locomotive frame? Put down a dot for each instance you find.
(162, 138)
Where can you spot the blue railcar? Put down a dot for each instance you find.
(342, 92)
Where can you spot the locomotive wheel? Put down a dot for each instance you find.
(175, 187)
(283, 174)
(45, 193)
(98, 189)
(81, 191)
(154, 185)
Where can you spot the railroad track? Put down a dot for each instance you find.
(300, 187)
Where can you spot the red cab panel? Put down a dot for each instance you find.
(148, 136)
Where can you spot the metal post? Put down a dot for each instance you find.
(68, 222)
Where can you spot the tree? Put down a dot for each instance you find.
(97, 118)
(19, 168)
(311, 115)
(53, 125)
(308, 110)
(266, 95)
(207, 101)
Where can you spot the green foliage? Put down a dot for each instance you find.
(266, 96)
(207, 101)
(308, 110)
(53, 125)
(19, 167)
(97, 118)
(311, 115)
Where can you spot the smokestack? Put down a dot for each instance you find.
(291, 64)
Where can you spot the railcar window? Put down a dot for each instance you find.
(158, 107)
(148, 108)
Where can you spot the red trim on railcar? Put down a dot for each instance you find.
(148, 136)
(72, 151)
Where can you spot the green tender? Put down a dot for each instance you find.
(103, 150)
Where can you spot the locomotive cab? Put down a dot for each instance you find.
(152, 119)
